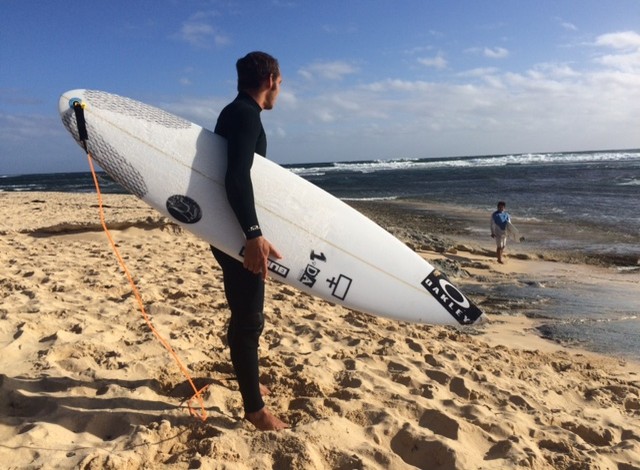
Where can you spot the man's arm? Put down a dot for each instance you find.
(241, 142)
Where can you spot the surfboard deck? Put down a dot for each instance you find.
(513, 233)
(329, 249)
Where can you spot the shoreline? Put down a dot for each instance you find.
(540, 284)
(83, 383)
(456, 225)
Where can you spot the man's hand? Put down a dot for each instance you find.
(256, 255)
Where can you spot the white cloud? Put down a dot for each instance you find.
(479, 72)
(288, 97)
(325, 115)
(438, 62)
(626, 56)
(620, 40)
(199, 32)
(556, 70)
(336, 70)
(496, 52)
(22, 128)
(202, 111)
(627, 62)
(280, 132)
(18, 132)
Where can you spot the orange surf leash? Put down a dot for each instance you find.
(136, 293)
(79, 112)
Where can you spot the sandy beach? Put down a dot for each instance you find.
(85, 384)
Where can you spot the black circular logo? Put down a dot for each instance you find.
(184, 209)
(454, 294)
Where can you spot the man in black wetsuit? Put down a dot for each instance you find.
(239, 122)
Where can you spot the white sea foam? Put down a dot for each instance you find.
(468, 162)
(633, 182)
(391, 198)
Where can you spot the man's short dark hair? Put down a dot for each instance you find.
(255, 68)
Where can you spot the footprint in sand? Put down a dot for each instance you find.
(422, 452)
(438, 376)
(459, 387)
(440, 423)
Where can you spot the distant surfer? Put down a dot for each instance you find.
(500, 219)
(239, 122)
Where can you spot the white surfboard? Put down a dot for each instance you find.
(329, 249)
(513, 233)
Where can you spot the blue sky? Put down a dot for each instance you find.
(363, 79)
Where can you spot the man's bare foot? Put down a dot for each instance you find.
(263, 420)
(264, 390)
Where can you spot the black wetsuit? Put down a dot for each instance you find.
(239, 122)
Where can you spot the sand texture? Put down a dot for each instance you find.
(85, 384)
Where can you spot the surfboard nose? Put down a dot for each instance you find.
(68, 98)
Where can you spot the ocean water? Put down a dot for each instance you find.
(595, 195)
(587, 203)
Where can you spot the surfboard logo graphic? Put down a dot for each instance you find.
(184, 209)
(310, 275)
(451, 298)
(340, 286)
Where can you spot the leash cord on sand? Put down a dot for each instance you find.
(136, 293)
